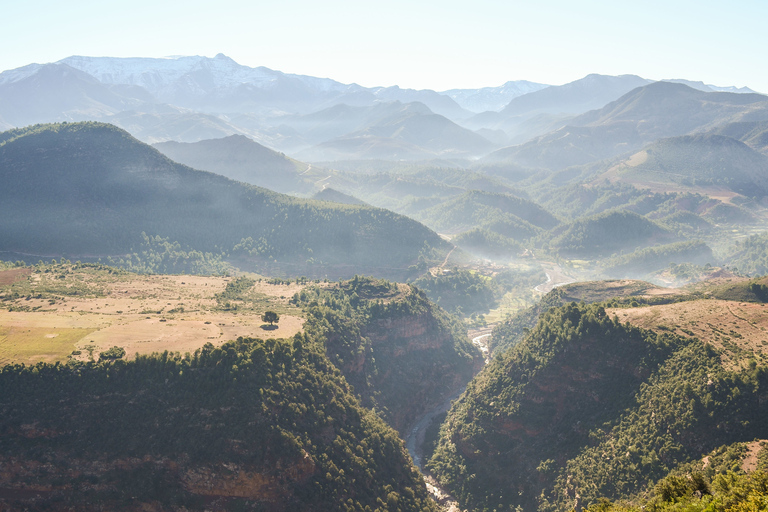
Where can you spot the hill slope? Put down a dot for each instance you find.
(266, 425)
(587, 407)
(606, 233)
(239, 158)
(507, 215)
(638, 118)
(91, 190)
(402, 354)
(701, 160)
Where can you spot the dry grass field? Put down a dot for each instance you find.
(739, 327)
(49, 312)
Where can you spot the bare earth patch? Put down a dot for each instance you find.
(749, 463)
(740, 328)
(13, 275)
(142, 314)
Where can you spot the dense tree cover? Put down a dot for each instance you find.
(512, 330)
(734, 491)
(257, 425)
(648, 259)
(687, 223)
(751, 255)
(400, 352)
(157, 255)
(605, 234)
(512, 216)
(91, 189)
(585, 407)
(460, 291)
(705, 160)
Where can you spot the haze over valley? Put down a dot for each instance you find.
(226, 287)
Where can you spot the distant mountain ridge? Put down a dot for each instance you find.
(492, 98)
(643, 115)
(192, 98)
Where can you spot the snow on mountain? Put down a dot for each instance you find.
(492, 98)
(14, 75)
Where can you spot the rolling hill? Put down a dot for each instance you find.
(701, 161)
(407, 131)
(606, 233)
(507, 215)
(239, 158)
(91, 190)
(640, 117)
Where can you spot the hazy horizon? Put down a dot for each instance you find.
(430, 45)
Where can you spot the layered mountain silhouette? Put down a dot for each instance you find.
(90, 190)
(645, 114)
(239, 158)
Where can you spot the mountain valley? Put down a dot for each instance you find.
(233, 288)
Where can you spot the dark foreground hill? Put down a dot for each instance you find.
(252, 425)
(588, 407)
(91, 190)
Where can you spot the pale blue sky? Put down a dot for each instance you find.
(429, 44)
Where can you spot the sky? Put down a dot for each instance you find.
(429, 44)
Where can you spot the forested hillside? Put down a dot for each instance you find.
(252, 425)
(91, 190)
(399, 351)
(586, 407)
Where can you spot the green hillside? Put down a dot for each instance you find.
(649, 259)
(398, 350)
(701, 160)
(607, 233)
(91, 190)
(239, 158)
(334, 196)
(510, 216)
(586, 407)
(252, 425)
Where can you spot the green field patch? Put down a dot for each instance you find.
(30, 345)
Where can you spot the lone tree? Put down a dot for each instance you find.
(271, 317)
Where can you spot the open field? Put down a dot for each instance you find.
(51, 311)
(740, 327)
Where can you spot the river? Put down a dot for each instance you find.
(415, 438)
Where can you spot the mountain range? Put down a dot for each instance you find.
(188, 99)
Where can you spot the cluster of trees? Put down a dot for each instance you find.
(157, 255)
(460, 291)
(751, 255)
